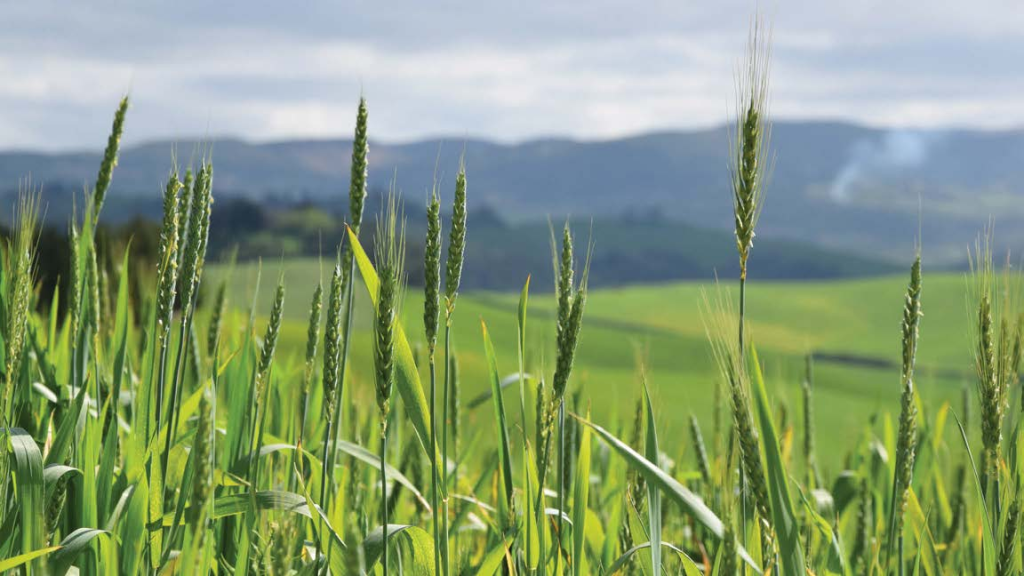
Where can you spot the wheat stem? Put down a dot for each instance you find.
(700, 451)
(390, 259)
(431, 318)
(433, 466)
(1006, 552)
(357, 196)
(453, 277)
(383, 496)
(330, 381)
(453, 408)
(192, 269)
(312, 337)
(445, 551)
(561, 484)
(335, 432)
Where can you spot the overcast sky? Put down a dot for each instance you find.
(266, 70)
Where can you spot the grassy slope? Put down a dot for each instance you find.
(663, 323)
(627, 252)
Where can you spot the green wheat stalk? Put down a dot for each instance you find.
(989, 384)
(389, 248)
(21, 262)
(750, 162)
(807, 389)
(572, 297)
(167, 274)
(700, 451)
(749, 167)
(196, 240)
(907, 436)
(261, 384)
(217, 311)
(202, 450)
(330, 381)
(17, 284)
(453, 277)
(357, 199)
(1005, 566)
(309, 366)
(860, 556)
(719, 318)
(431, 318)
(106, 172)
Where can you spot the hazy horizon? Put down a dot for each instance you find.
(582, 70)
(344, 136)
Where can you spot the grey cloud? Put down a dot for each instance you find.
(261, 69)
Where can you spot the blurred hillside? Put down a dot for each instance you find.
(836, 185)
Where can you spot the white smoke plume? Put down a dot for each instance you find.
(896, 151)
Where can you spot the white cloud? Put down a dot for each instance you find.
(590, 70)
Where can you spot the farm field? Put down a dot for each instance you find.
(855, 319)
(166, 409)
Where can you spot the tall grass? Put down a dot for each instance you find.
(129, 448)
(431, 317)
(390, 260)
(906, 444)
(452, 279)
(750, 164)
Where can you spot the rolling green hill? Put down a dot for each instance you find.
(855, 319)
(625, 250)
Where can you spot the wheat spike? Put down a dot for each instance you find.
(907, 437)
(456, 243)
(700, 451)
(432, 272)
(168, 256)
(390, 260)
(109, 159)
(357, 182)
(270, 342)
(332, 344)
(750, 161)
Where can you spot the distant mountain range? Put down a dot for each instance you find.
(837, 185)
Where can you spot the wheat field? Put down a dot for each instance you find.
(329, 416)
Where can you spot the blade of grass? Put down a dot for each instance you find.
(70, 547)
(653, 494)
(420, 547)
(690, 567)
(12, 563)
(28, 470)
(581, 497)
(504, 453)
(407, 377)
(784, 518)
(669, 486)
(496, 557)
(988, 545)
